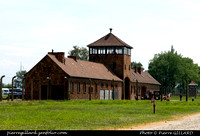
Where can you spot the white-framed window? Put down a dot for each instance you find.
(101, 50)
(119, 50)
(94, 50)
(110, 50)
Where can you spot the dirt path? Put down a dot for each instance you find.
(188, 122)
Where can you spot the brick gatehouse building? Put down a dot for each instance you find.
(107, 75)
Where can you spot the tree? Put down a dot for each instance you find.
(19, 78)
(170, 68)
(7, 85)
(136, 64)
(80, 52)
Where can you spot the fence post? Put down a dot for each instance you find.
(1, 87)
(12, 88)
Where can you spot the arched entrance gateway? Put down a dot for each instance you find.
(127, 88)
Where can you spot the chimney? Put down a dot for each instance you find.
(110, 30)
(59, 55)
(139, 70)
(73, 57)
(135, 69)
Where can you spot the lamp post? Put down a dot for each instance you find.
(1, 87)
(12, 88)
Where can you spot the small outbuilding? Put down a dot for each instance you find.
(193, 89)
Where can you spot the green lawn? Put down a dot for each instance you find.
(88, 115)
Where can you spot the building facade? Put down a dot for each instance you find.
(107, 75)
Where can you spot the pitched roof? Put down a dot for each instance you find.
(85, 69)
(144, 77)
(193, 84)
(109, 40)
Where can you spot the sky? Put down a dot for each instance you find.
(29, 29)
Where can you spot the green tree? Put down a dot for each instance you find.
(19, 77)
(136, 64)
(7, 85)
(80, 52)
(170, 68)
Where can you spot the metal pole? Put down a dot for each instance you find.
(1, 87)
(154, 107)
(12, 88)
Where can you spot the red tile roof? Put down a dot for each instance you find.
(193, 84)
(85, 69)
(144, 77)
(109, 40)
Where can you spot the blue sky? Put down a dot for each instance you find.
(31, 28)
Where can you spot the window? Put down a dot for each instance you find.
(115, 85)
(72, 87)
(90, 50)
(125, 50)
(128, 51)
(84, 87)
(96, 87)
(94, 50)
(106, 85)
(110, 50)
(78, 87)
(119, 50)
(102, 50)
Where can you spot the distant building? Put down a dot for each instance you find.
(192, 89)
(107, 75)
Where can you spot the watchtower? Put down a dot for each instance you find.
(115, 53)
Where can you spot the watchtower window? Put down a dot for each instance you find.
(102, 50)
(125, 50)
(110, 50)
(90, 50)
(119, 50)
(128, 51)
(94, 50)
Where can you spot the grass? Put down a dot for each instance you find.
(89, 115)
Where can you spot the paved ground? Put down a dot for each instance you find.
(190, 122)
(186, 123)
